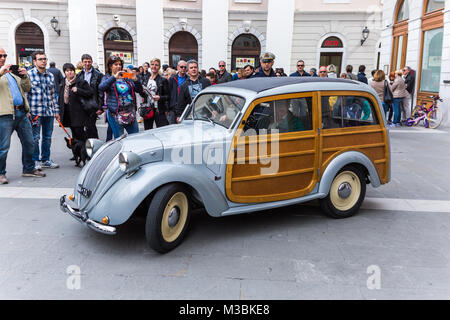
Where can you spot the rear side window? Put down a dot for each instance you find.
(284, 116)
(347, 111)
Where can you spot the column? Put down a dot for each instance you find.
(214, 33)
(150, 30)
(444, 91)
(280, 29)
(82, 29)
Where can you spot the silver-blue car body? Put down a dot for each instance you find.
(197, 162)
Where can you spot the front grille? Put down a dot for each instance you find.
(97, 167)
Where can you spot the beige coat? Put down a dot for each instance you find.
(378, 86)
(398, 88)
(6, 100)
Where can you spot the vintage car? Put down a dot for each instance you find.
(244, 146)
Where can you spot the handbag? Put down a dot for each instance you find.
(388, 96)
(146, 112)
(125, 117)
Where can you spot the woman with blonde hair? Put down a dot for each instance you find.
(379, 84)
(158, 95)
(331, 71)
(399, 92)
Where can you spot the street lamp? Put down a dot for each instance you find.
(55, 23)
(365, 35)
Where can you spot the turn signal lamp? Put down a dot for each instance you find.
(105, 220)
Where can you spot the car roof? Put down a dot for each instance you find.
(259, 85)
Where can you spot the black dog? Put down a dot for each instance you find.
(79, 151)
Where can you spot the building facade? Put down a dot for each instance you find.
(236, 31)
(416, 33)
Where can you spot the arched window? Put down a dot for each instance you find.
(431, 52)
(331, 52)
(400, 32)
(402, 11)
(29, 38)
(245, 50)
(182, 46)
(434, 5)
(119, 42)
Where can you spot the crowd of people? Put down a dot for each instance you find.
(31, 100)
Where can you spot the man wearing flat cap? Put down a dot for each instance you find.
(267, 60)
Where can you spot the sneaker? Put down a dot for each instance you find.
(50, 165)
(35, 174)
(398, 124)
(38, 165)
(391, 125)
(3, 180)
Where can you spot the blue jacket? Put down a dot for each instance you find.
(297, 74)
(108, 86)
(261, 74)
(362, 78)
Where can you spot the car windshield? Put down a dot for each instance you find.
(221, 109)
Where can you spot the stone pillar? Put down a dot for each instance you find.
(214, 33)
(82, 29)
(280, 29)
(150, 30)
(445, 71)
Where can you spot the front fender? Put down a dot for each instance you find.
(122, 199)
(343, 160)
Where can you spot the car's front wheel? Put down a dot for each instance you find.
(347, 194)
(168, 218)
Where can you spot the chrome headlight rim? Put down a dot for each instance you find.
(92, 146)
(129, 162)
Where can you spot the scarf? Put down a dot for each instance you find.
(67, 89)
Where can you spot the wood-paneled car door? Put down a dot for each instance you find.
(274, 154)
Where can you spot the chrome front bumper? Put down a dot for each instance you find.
(84, 218)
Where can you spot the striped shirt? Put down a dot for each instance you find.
(42, 96)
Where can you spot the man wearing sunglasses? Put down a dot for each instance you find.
(300, 70)
(175, 83)
(266, 70)
(15, 116)
(223, 75)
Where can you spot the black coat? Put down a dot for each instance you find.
(96, 79)
(185, 98)
(164, 92)
(73, 114)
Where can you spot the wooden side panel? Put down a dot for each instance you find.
(270, 167)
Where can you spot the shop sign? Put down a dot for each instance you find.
(242, 62)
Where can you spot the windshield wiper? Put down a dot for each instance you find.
(206, 118)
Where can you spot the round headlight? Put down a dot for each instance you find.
(129, 162)
(92, 146)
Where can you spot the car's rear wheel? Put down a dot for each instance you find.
(347, 194)
(168, 218)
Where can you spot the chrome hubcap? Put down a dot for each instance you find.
(345, 190)
(174, 217)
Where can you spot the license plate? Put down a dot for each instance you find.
(84, 192)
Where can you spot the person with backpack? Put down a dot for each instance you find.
(120, 97)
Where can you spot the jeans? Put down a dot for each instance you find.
(397, 110)
(46, 123)
(22, 126)
(118, 130)
(388, 108)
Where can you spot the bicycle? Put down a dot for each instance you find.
(432, 117)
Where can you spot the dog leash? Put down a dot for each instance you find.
(70, 137)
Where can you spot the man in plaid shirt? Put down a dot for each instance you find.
(44, 108)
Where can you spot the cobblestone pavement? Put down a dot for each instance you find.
(397, 247)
